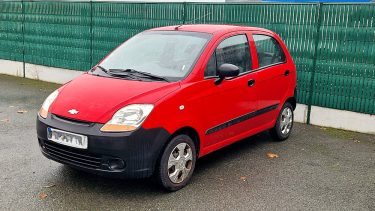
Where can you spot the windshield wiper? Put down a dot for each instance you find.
(108, 72)
(102, 69)
(132, 71)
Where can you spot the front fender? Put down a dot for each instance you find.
(175, 112)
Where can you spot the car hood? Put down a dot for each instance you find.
(97, 98)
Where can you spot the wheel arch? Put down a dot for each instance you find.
(293, 101)
(192, 133)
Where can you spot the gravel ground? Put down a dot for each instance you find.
(317, 169)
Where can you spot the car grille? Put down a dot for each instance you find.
(72, 156)
(71, 121)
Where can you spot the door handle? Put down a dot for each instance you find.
(251, 82)
(286, 73)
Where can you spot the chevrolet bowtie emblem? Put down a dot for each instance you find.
(73, 111)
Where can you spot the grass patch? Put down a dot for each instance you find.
(337, 133)
(29, 82)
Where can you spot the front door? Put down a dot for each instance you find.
(227, 105)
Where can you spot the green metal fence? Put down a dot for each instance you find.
(344, 75)
(113, 23)
(58, 34)
(333, 45)
(296, 24)
(11, 31)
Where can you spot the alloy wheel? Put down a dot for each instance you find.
(180, 162)
(286, 120)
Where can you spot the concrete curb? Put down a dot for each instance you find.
(38, 72)
(50, 74)
(334, 118)
(11, 68)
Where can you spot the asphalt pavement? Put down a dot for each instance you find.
(316, 169)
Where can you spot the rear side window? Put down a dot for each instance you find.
(269, 50)
(233, 50)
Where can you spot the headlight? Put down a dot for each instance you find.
(128, 118)
(43, 112)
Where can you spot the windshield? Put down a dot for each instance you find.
(168, 54)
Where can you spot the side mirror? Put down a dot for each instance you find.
(227, 70)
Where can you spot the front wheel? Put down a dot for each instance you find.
(177, 163)
(284, 123)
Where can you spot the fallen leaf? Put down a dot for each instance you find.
(42, 195)
(4, 120)
(11, 106)
(21, 111)
(272, 155)
(243, 178)
(356, 141)
(49, 186)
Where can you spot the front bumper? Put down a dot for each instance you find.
(138, 150)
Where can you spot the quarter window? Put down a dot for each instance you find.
(233, 50)
(269, 51)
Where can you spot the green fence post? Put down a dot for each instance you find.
(91, 35)
(184, 13)
(23, 38)
(315, 57)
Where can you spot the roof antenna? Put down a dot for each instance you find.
(177, 27)
(200, 17)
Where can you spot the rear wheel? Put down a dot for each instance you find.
(284, 123)
(177, 163)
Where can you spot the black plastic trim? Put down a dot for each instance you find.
(139, 149)
(241, 119)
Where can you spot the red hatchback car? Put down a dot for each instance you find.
(168, 96)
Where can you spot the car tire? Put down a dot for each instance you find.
(176, 164)
(284, 123)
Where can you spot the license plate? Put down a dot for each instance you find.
(67, 138)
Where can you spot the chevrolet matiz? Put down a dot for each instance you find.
(168, 96)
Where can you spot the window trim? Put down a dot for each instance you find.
(248, 43)
(249, 72)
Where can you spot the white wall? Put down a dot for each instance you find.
(38, 72)
(340, 119)
(50, 74)
(11, 68)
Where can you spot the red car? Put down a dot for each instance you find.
(168, 96)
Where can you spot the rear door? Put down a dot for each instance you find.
(227, 105)
(273, 75)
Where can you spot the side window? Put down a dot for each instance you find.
(269, 50)
(233, 50)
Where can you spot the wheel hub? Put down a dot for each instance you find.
(180, 162)
(286, 120)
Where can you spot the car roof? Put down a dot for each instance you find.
(209, 28)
